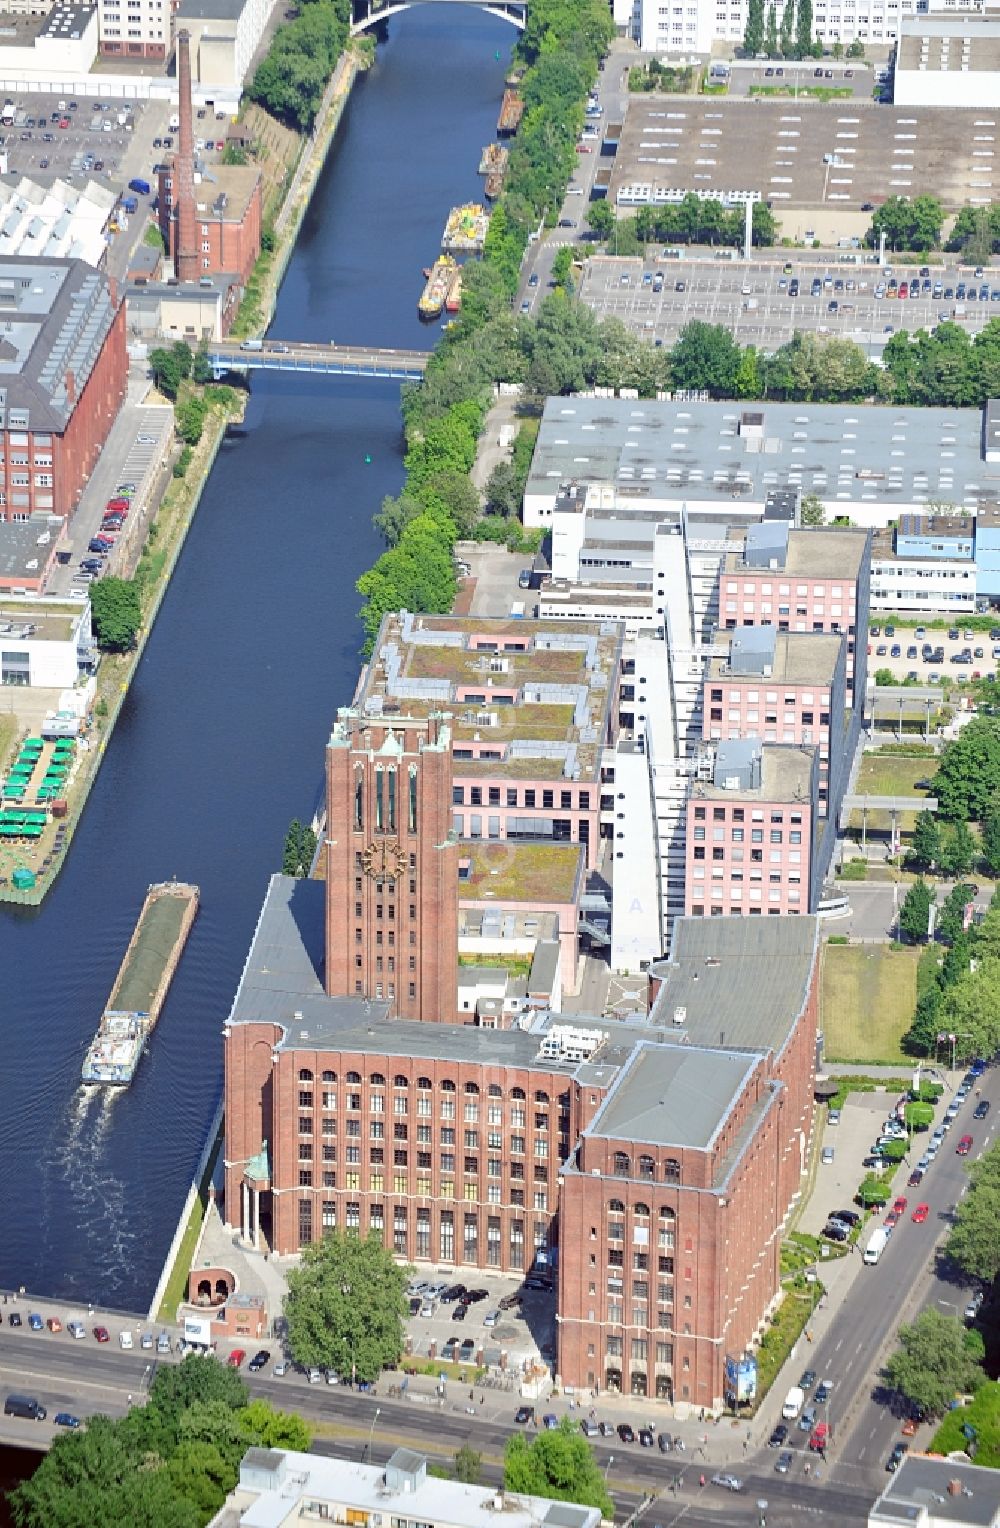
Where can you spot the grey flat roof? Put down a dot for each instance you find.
(736, 982)
(672, 1095)
(920, 1485)
(786, 773)
(210, 10)
(800, 657)
(692, 452)
(811, 552)
(19, 545)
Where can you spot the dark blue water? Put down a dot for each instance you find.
(220, 742)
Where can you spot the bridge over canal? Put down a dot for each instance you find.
(326, 360)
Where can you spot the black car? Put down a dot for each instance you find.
(895, 1459)
(473, 1296)
(467, 1349)
(606, 1429)
(916, 1178)
(807, 1379)
(508, 1302)
(14, 1318)
(823, 1392)
(524, 1414)
(460, 1312)
(259, 1361)
(982, 1109)
(849, 1217)
(533, 279)
(778, 1437)
(867, 206)
(834, 1231)
(454, 1293)
(647, 1438)
(625, 1433)
(664, 1443)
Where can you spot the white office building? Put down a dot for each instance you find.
(692, 26)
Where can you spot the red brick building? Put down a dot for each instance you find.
(227, 219)
(389, 846)
(65, 373)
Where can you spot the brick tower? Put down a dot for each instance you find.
(185, 250)
(392, 865)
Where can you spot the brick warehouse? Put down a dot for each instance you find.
(63, 373)
(583, 1139)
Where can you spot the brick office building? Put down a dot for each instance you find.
(63, 373)
(227, 219)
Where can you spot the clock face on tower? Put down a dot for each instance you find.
(383, 858)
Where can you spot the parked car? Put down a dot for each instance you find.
(524, 1414)
(260, 1360)
(236, 1358)
(66, 1419)
(783, 1463)
(35, 1322)
(982, 1109)
(625, 1433)
(895, 1459)
(921, 1213)
(778, 1436)
(102, 1334)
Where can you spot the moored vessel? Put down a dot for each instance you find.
(466, 228)
(453, 301)
(439, 279)
(142, 983)
(511, 112)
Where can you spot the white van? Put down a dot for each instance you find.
(125, 1339)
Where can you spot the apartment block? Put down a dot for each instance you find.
(750, 831)
(927, 563)
(693, 28)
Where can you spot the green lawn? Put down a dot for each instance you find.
(889, 774)
(867, 997)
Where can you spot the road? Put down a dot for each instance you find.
(276, 355)
(861, 1332)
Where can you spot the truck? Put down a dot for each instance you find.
(793, 1403)
(139, 185)
(517, 610)
(876, 1245)
(130, 204)
(8, 114)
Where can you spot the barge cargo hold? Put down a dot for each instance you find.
(439, 279)
(494, 160)
(511, 112)
(453, 301)
(142, 983)
(493, 187)
(466, 229)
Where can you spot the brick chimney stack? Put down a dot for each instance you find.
(185, 242)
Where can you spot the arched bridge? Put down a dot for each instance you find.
(327, 360)
(368, 15)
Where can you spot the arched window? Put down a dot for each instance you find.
(616, 1207)
(329, 1076)
(400, 1081)
(541, 1098)
(472, 1087)
(642, 1211)
(424, 1082)
(354, 1076)
(623, 1164)
(647, 1167)
(666, 1213)
(672, 1170)
(517, 1093)
(377, 1080)
(447, 1086)
(305, 1075)
(495, 1090)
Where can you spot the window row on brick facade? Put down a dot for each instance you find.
(520, 796)
(445, 1235)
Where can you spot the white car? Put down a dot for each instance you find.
(281, 1369)
(332, 1377)
(315, 1377)
(76, 1329)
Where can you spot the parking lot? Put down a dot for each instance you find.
(900, 649)
(799, 155)
(92, 128)
(757, 302)
(486, 1335)
(855, 78)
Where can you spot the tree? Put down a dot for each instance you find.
(468, 1465)
(884, 676)
(918, 1116)
(973, 1243)
(970, 1007)
(345, 1306)
(395, 515)
(559, 1464)
(907, 224)
(170, 368)
(601, 216)
(201, 368)
(957, 850)
(503, 491)
(786, 38)
(116, 613)
(189, 419)
(937, 1359)
(812, 510)
(990, 843)
(747, 375)
(926, 843)
(803, 28)
(968, 780)
(753, 33)
(300, 847)
(706, 357)
(915, 912)
(771, 35)
(562, 266)
(856, 49)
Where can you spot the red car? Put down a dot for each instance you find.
(583, 148)
(964, 1146)
(899, 1205)
(891, 1219)
(820, 1437)
(116, 507)
(921, 1213)
(236, 1358)
(64, 122)
(102, 1334)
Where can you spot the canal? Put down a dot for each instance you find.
(220, 741)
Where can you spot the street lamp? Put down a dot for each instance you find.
(371, 1434)
(611, 1460)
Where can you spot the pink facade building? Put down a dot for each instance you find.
(802, 579)
(783, 687)
(749, 836)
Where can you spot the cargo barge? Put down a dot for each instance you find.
(466, 229)
(511, 112)
(453, 301)
(493, 187)
(494, 160)
(142, 983)
(439, 280)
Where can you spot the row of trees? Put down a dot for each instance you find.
(171, 1462)
(689, 221)
(792, 38)
(962, 996)
(973, 1243)
(443, 416)
(937, 1359)
(289, 82)
(908, 223)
